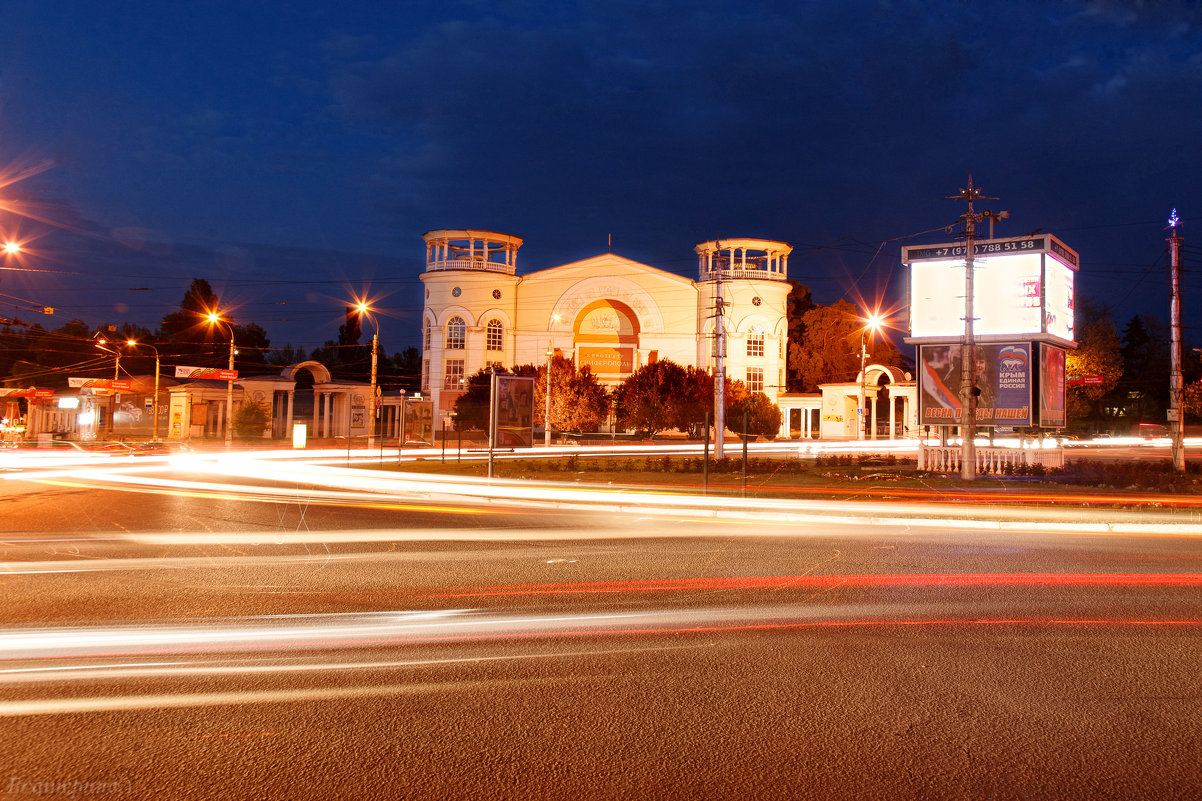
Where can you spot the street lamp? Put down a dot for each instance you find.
(100, 343)
(215, 319)
(365, 311)
(872, 324)
(135, 344)
(547, 414)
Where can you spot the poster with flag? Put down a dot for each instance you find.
(216, 373)
(1003, 373)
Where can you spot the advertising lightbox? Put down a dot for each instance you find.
(512, 411)
(1021, 288)
(1051, 387)
(1003, 378)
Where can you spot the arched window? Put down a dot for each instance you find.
(755, 341)
(456, 334)
(495, 336)
(426, 336)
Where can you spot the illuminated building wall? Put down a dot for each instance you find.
(608, 312)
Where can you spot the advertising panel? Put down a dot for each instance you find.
(99, 383)
(1051, 386)
(1003, 378)
(217, 373)
(1007, 296)
(1021, 287)
(1058, 306)
(513, 411)
(603, 360)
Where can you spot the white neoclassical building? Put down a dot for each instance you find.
(608, 312)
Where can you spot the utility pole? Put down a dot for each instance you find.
(374, 401)
(719, 363)
(968, 351)
(1176, 389)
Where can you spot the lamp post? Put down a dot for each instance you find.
(365, 311)
(100, 343)
(871, 324)
(135, 344)
(547, 414)
(215, 319)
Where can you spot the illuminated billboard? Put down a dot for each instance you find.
(1021, 288)
(1003, 379)
(512, 411)
(1051, 387)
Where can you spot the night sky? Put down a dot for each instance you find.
(293, 154)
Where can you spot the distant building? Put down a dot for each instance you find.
(607, 312)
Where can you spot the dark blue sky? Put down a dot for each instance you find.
(294, 153)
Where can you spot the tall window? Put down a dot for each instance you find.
(425, 375)
(755, 342)
(495, 337)
(456, 334)
(755, 379)
(454, 374)
(426, 336)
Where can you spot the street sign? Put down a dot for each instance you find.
(1086, 380)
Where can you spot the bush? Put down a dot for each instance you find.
(251, 418)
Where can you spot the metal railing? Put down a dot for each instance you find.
(990, 460)
(472, 264)
(735, 272)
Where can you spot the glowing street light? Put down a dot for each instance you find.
(872, 324)
(365, 311)
(215, 319)
(133, 343)
(12, 248)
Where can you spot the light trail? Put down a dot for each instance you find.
(293, 482)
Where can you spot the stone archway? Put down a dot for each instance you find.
(606, 338)
(306, 374)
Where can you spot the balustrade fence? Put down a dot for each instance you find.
(995, 460)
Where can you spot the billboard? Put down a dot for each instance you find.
(1051, 386)
(1021, 287)
(217, 373)
(512, 411)
(1003, 378)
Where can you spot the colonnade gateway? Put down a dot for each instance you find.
(608, 312)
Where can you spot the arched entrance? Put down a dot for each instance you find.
(606, 338)
(306, 375)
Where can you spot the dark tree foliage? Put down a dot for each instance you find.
(649, 398)
(763, 416)
(799, 302)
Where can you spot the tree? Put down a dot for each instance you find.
(192, 336)
(578, 401)
(647, 399)
(406, 368)
(695, 401)
(251, 418)
(1098, 353)
(763, 416)
(830, 347)
(286, 356)
(797, 304)
(471, 408)
(187, 324)
(1142, 393)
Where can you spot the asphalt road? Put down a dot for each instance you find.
(259, 636)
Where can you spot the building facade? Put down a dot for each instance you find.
(607, 312)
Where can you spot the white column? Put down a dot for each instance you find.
(872, 420)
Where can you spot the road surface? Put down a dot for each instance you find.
(269, 631)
